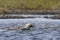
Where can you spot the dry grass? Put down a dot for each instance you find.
(30, 4)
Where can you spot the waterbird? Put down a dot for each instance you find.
(27, 26)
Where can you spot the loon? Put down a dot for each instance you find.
(27, 27)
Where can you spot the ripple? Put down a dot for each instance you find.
(44, 29)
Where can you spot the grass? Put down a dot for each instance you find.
(30, 4)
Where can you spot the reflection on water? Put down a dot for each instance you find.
(26, 16)
(44, 29)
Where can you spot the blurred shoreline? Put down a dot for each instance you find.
(26, 11)
(17, 13)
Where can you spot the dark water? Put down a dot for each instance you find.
(44, 29)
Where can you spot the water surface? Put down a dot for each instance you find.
(44, 29)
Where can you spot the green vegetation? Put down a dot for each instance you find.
(30, 4)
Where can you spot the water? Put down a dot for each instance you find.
(44, 29)
(21, 15)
